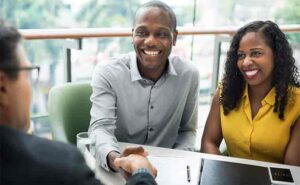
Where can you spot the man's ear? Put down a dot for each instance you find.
(175, 33)
(3, 87)
(132, 34)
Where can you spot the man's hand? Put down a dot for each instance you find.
(133, 162)
(127, 151)
(134, 150)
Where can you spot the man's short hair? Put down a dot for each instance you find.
(162, 6)
(9, 40)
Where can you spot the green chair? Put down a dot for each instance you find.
(69, 110)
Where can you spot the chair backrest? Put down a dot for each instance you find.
(69, 110)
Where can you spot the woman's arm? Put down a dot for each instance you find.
(292, 154)
(212, 135)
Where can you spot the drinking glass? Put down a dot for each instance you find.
(85, 142)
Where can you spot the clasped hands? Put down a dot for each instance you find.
(131, 159)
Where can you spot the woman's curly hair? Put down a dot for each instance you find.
(285, 73)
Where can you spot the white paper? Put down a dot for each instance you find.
(173, 170)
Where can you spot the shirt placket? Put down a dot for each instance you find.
(250, 126)
(150, 107)
(151, 128)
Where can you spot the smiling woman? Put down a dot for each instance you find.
(256, 60)
(256, 107)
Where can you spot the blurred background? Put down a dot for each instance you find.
(200, 49)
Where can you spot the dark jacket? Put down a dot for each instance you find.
(30, 160)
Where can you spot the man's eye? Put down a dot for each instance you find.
(240, 56)
(140, 33)
(162, 34)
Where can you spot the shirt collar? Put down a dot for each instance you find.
(269, 99)
(135, 74)
(245, 91)
(171, 69)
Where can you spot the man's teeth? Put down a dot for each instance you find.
(251, 73)
(152, 53)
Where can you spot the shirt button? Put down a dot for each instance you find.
(151, 129)
(151, 107)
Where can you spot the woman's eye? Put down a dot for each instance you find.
(256, 53)
(240, 56)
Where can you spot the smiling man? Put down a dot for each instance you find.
(147, 96)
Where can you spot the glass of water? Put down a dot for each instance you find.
(84, 142)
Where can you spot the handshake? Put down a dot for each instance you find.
(130, 160)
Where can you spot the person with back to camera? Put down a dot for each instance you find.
(256, 107)
(30, 160)
(147, 96)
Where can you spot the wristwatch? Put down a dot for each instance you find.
(141, 170)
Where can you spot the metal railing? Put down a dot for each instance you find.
(79, 33)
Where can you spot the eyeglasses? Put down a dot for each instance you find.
(33, 75)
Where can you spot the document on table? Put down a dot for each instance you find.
(173, 170)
